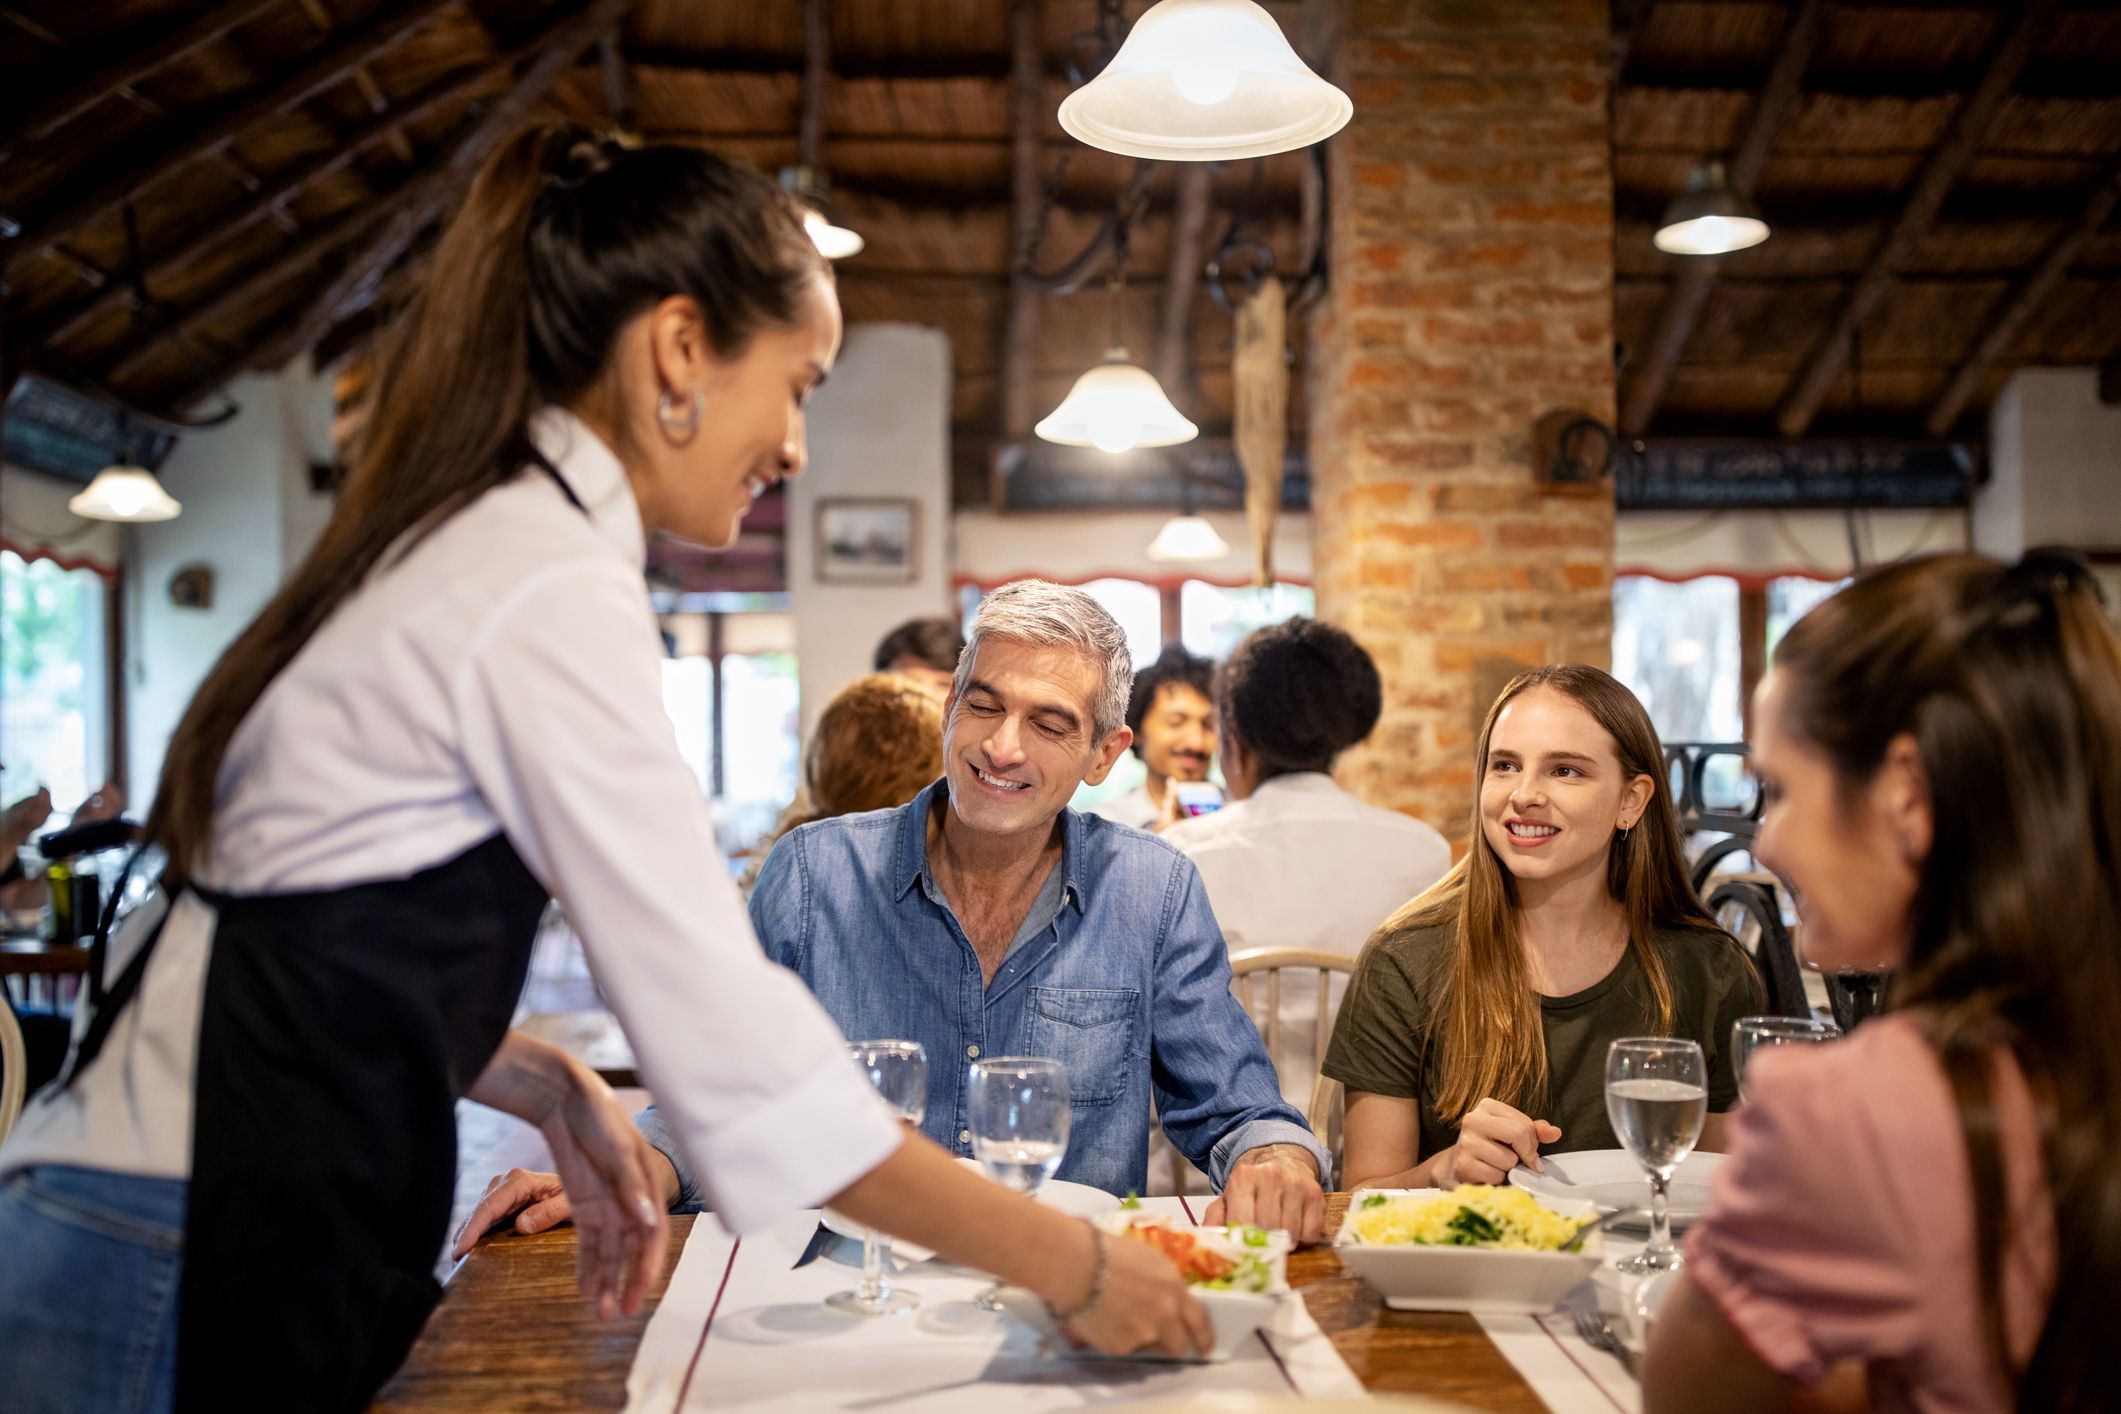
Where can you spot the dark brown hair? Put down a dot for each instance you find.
(1297, 694)
(561, 241)
(2009, 681)
(1485, 1025)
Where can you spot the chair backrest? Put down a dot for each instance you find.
(1250, 967)
(14, 1067)
(1750, 907)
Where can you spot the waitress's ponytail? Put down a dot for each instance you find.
(561, 240)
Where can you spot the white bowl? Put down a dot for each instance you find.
(1485, 1280)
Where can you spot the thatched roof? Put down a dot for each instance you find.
(279, 161)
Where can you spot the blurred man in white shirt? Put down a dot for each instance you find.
(1294, 861)
(1172, 714)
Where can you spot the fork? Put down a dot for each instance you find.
(1599, 1336)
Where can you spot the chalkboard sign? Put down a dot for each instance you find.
(1761, 475)
(1040, 476)
(51, 429)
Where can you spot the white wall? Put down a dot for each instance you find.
(880, 427)
(248, 515)
(1074, 546)
(2054, 466)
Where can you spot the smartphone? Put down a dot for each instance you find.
(1197, 798)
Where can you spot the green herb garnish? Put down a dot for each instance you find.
(1470, 1229)
(1375, 1200)
(1132, 1200)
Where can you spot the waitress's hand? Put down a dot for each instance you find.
(606, 1168)
(1145, 1306)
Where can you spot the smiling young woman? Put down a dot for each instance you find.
(1475, 1027)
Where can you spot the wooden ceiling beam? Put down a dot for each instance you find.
(427, 197)
(2025, 298)
(284, 187)
(124, 70)
(214, 130)
(1696, 275)
(1026, 195)
(732, 63)
(1943, 167)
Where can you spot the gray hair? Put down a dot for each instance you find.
(1056, 616)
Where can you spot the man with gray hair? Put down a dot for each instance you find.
(986, 918)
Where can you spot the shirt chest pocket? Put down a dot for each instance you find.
(1090, 1030)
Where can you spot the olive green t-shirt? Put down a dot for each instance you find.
(1380, 1042)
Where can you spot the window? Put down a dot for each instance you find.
(730, 689)
(1139, 608)
(1676, 646)
(1214, 620)
(1790, 599)
(55, 690)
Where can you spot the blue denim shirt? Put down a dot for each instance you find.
(1127, 984)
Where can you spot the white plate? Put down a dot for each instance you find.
(1484, 1280)
(1234, 1314)
(1076, 1199)
(1610, 1178)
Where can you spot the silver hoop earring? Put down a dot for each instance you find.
(1624, 833)
(680, 417)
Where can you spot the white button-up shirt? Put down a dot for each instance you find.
(502, 677)
(1301, 863)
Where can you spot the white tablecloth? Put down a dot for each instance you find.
(741, 1328)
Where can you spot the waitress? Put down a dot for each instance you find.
(235, 1193)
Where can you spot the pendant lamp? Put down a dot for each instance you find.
(1205, 81)
(1116, 407)
(807, 185)
(125, 493)
(1188, 538)
(1709, 218)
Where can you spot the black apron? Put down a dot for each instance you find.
(337, 1031)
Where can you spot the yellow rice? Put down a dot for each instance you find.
(1526, 1225)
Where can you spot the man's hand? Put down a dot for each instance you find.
(1274, 1186)
(538, 1201)
(1492, 1140)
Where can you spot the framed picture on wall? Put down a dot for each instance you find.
(867, 541)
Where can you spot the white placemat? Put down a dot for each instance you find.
(1568, 1374)
(741, 1328)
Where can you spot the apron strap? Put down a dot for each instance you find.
(106, 1003)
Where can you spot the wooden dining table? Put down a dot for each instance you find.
(511, 1334)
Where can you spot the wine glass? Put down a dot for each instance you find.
(1750, 1033)
(899, 1071)
(1019, 1121)
(1657, 1095)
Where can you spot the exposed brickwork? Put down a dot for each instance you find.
(1472, 235)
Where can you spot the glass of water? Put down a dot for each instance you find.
(899, 1071)
(1752, 1033)
(1657, 1095)
(1019, 1121)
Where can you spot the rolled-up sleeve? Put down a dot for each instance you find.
(565, 735)
(1216, 1088)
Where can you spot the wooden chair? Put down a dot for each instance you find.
(14, 1068)
(1247, 970)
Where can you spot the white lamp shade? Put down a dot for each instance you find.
(833, 242)
(1116, 407)
(1188, 538)
(127, 493)
(1205, 81)
(1711, 235)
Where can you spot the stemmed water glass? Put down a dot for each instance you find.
(1657, 1095)
(1019, 1120)
(899, 1071)
(1752, 1033)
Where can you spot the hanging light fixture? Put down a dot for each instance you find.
(125, 493)
(806, 180)
(1188, 538)
(1118, 405)
(807, 185)
(1205, 81)
(1709, 218)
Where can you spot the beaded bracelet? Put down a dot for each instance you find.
(1097, 1281)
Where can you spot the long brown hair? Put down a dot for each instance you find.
(2009, 681)
(1484, 1025)
(561, 241)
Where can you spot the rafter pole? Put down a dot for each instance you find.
(1189, 232)
(618, 82)
(446, 93)
(817, 78)
(1696, 276)
(223, 125)
(2025, 298)
(124, 70)
(1027, 127)
(432, 193)
(1940, 172)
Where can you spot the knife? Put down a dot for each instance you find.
(819, 1241)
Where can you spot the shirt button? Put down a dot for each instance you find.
(972, 1051)
(964, 1136)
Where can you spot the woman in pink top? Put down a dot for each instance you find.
(1940, 748)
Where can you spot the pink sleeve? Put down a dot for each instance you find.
(1809, 1248)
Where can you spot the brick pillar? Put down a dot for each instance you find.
(1472, 292)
